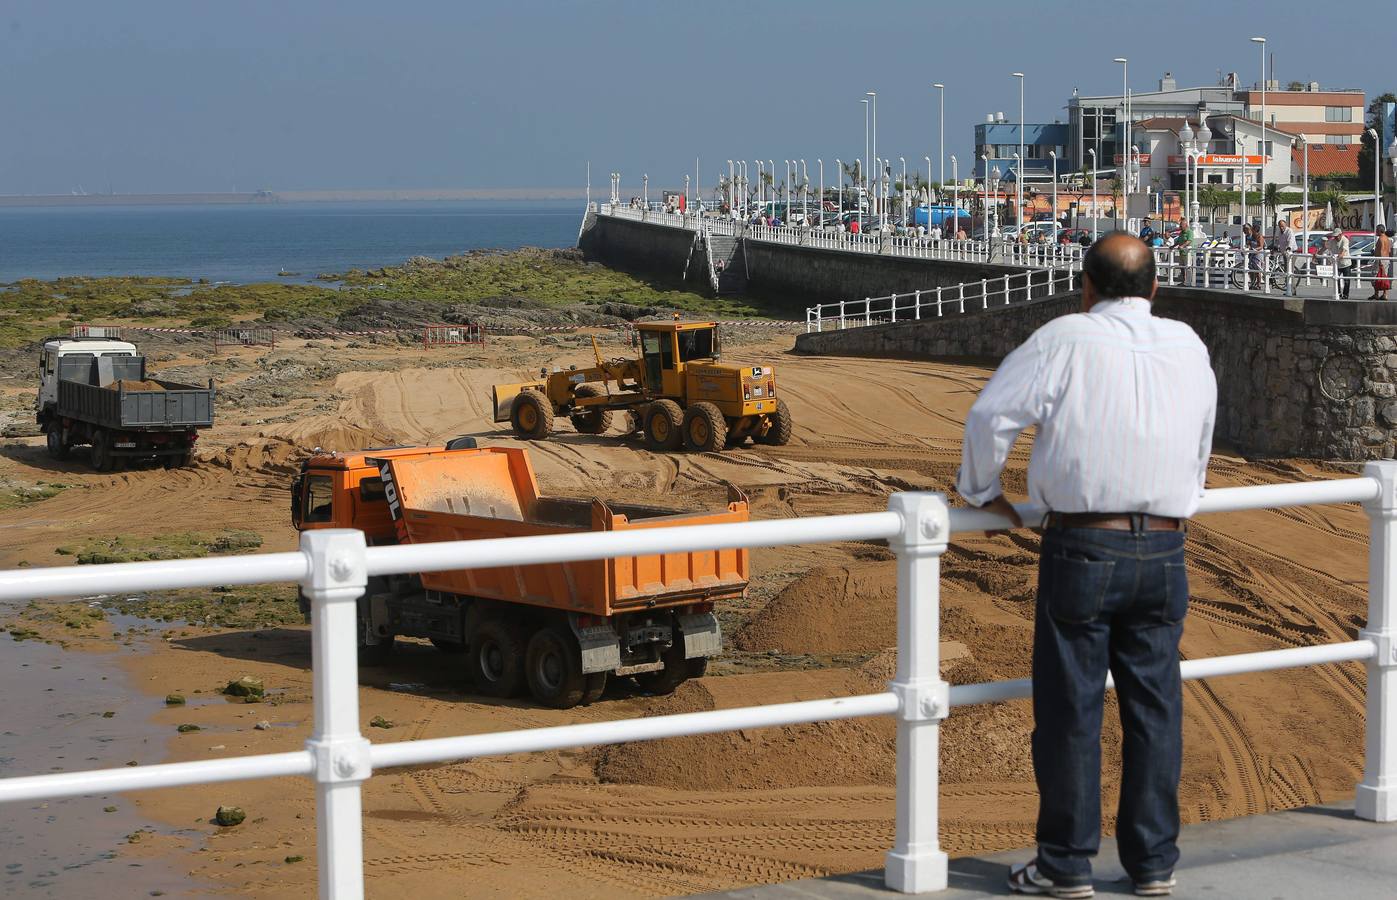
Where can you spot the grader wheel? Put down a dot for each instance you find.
(664, 425)
(590, 420)
(531, 415)
(705, 429)
(779, 432)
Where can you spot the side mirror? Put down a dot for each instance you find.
(297, 489)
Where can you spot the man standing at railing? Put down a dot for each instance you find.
(1123, 402)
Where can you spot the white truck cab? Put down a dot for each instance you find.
(71, 348)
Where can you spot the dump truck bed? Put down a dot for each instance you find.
(95, 391)
(492, 493)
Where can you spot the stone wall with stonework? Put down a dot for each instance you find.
(1291, 382)
(644, 247)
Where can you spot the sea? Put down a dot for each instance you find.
(255, 242)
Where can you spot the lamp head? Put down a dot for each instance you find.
(1120, 59)
(1016, 74)
(1258, 40)
(939, 85)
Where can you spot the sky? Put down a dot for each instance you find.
(150, 96)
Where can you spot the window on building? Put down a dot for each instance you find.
(1341, 139)
(1338, 114)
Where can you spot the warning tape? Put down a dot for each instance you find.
(313, 333)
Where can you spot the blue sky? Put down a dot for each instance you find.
(159, 95)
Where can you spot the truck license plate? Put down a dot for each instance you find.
(125, 445)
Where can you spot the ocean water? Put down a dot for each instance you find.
(254, 242)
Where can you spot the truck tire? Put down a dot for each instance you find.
(664, 425)
(591, 420)
(376, 654)
(495, 656)
(779, 434)
(101, 453)
(553, 667)
(596, 686)
(56, 446)
(705, 429)
(668, 679)
(531, 415)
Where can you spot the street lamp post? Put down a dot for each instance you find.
(645, 192)
(686, 195)
(1392, 158)
(1205, 140)
(771, 167)
(1305, 194)
(1018, 180)
(820, 206)
(902, 193)
(874, 96)
(1242, 154)
(804, 192)
(1261, 146)
(940, 138)
(1377, 178)
(1123, 125)
(1018, 191)
(1052, 154)
(928, 193)
(1094, 214)
(863, 173)
(955, 191)
(985, 185)
(839, 174)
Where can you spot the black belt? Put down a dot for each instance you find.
(1114, 521)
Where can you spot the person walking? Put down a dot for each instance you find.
(1343, 260)
(1286, 247)
(1124, 403)
(1382, 265)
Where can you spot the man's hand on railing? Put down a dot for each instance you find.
(1002, 507)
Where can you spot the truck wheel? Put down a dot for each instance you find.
(779, 432)
(590, 420)
(496, 658)
(375, 654)
(56, 447)
(664, 425)
(101, 454)
(553, 666)
(596, 686)
(675, 672)
(531, 415)
(705, 429)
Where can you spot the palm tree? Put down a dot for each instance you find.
(1270, 199)
(1117, 188)
(1213, 198)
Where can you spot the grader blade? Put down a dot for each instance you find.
(503, 396)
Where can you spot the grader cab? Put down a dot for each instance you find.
(675, 392)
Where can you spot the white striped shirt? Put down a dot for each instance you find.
(1124, 402)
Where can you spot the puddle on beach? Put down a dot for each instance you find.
(54, 723)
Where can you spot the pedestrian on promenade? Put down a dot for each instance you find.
(1124, 403)
(1338, 248)
(1382, 266)
(1146, 231)
(1287, 244)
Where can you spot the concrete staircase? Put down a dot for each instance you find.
(728, 262)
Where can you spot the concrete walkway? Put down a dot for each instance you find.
(1315, 852)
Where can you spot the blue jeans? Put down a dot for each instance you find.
(1108, 600)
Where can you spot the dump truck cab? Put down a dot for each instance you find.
(61, 354)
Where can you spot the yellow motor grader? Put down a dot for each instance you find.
(676, 392)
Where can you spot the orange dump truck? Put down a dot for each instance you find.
(560, 629)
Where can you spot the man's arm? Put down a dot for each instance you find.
(1205, 445)
(1009, 403)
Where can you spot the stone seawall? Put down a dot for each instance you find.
(1290, 382)
(646, 247)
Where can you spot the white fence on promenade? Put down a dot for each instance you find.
(1012, 289)
(1318, 275)
(332, 568)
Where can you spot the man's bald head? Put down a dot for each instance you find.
(1119, 265)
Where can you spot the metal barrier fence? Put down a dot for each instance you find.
(246, 336)
(450, 335)
(1017, 287)
(333, 566)
(110, 332)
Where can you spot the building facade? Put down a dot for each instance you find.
(999, 140)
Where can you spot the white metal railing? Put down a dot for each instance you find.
(1316, 275)
(332, 568)
(1005, 290)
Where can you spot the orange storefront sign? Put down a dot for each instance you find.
(1220, 159)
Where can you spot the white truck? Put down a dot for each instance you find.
(95, 391)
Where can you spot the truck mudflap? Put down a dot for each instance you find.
(702, 635)
(601, 646)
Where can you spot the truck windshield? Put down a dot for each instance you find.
(320, 499)
(696, 344)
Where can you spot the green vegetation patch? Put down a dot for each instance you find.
(254, 606)
(178, 545)
(15, 494)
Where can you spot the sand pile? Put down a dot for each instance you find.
(271, 455)
(832, 609)
(132, 385)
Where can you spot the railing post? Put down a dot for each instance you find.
(1376, 798)
(334, 584)
(918, 308)
(916, 864)
(867, 310)
(893, 307)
